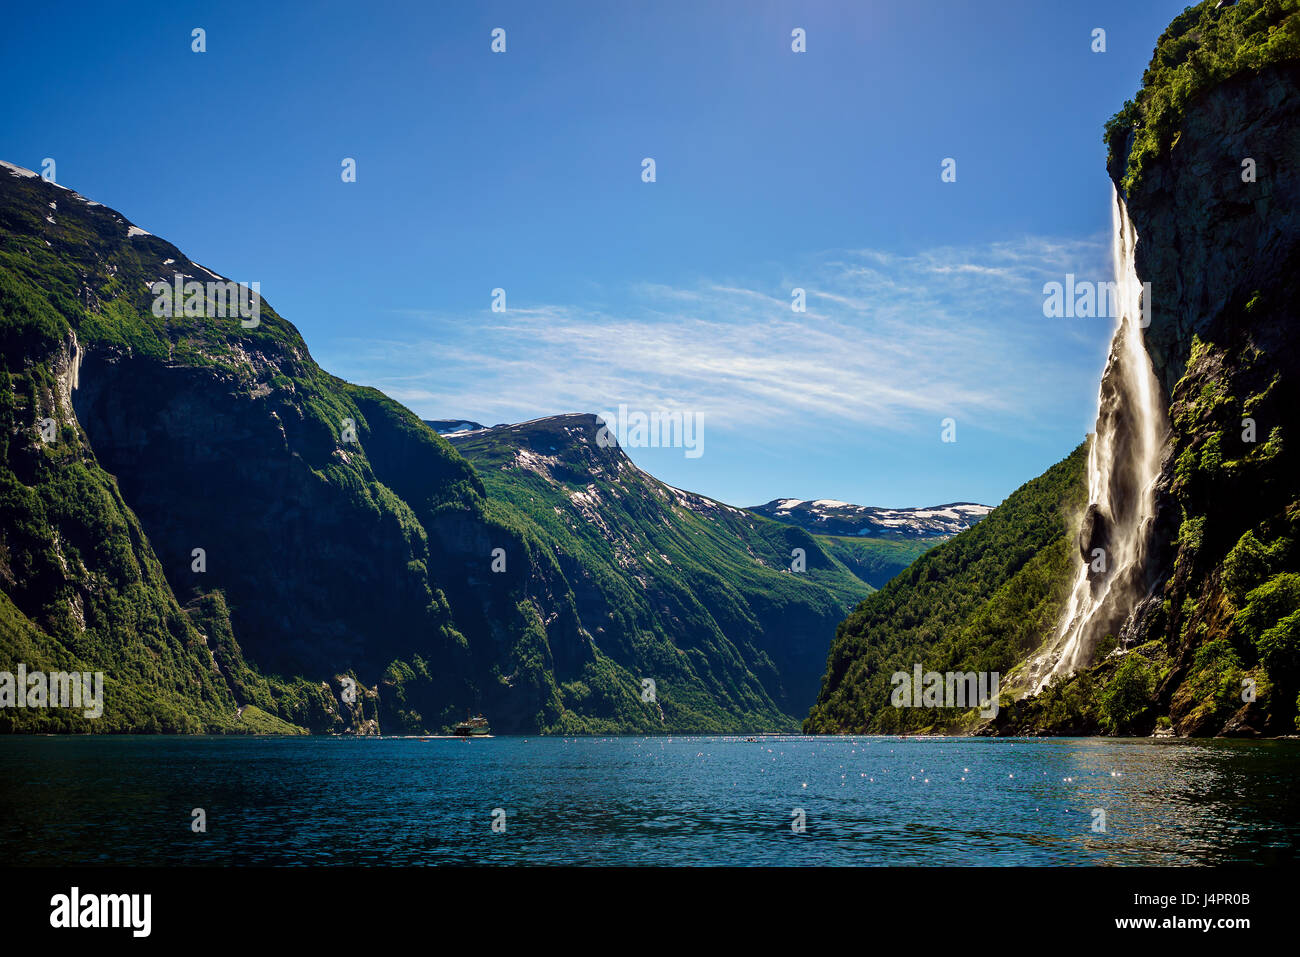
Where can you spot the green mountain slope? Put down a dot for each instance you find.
(241, 541)
(982, 601)
(82, 587)
(651, 565)
(876, 560)
(1206, 158)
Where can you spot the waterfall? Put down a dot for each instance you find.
(1123, 465)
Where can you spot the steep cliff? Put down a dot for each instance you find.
(81, 588)
(1218, 214)
(1204, 636)
(1207, 157)
(241, 541)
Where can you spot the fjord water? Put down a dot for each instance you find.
(647, 801)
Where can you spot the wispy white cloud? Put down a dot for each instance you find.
(886, 338)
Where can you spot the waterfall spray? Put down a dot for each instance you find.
(1123, 465)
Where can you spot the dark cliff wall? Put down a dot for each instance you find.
(1208, 240)
(1221, 253)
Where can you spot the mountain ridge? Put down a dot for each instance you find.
(833, 517)
(241, 540)
(649, 537)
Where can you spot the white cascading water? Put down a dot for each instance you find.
(1123, 465)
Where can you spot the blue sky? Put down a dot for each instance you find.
(522, 170)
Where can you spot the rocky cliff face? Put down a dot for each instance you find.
(1213, 189)
(1207, 641)
(1222, 255)
(1208, 239)
(213, 455)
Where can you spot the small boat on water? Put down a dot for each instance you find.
(471, 726)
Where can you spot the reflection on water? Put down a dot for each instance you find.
(692, 800)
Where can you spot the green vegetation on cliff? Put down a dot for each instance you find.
(1203, 46)
(80, 589)
(1223, 86)
(701, 595)
(979, 602)
(876, 560)
(244, 543)
(1231, 603)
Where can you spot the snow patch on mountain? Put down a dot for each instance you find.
(829, 516)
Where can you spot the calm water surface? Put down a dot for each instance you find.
(683, 800)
